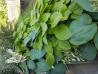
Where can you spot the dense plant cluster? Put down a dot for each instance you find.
(57, 32)
(3, 16)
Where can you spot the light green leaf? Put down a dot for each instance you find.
(63, 45)
(49, 48)
(83, 30)
(45, 39)
(55, 19)
(31, 65)
(66, 14)
(62, 32)
(44, 28)
(58, 52)
(45, 17)
(59, 6)
(88, 51)
(50, 59)
(96, 40)
(38, 44)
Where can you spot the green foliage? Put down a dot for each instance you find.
(42, 66)
(3, 14)
(31, 65)
(54, 20)
(88, 51)
(87, 5)
(36, 54)
(63, 34)
(58, 69)
(82, 29)
(53, 31)
(50, 59)
(96, 40)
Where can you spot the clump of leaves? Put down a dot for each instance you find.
(53, 31)
(3, 15)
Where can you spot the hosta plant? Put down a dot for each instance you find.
(56, 32)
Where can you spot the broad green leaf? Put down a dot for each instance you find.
(86, 5)
(88, 51)
(62, 32)
(38, 44)
(63, 45)
(76, 13)
(96, 40)
(36, 54)
(66, 14)
(44, 28)
(45, 17)
(58, 69)
(42, 66)
(49, 48)
(58, 52)
(54, 42)
(59, 6)
(83, 30)
(73, 6)
(31, 65)
(55, 19)
(50, 59)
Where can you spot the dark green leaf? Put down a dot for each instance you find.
(96, 40)
(31, 65)
(86, 4)
(58, 69)
(82, 30)
(36, 54)
(42, 66)
(88, 52)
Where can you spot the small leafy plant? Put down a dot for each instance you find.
(57, 32)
